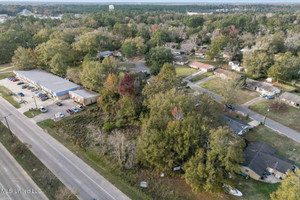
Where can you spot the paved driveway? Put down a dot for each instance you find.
(140, 66)
(53, 109)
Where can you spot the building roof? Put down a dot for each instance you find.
(85, 93)
(180, 59)
(201, 65)
(202, 51)
(259, 156)
(222, 71)
(47, 80)
(291, 97)
(257, 84)
(104, 53)
(171, 44)
(237, 126)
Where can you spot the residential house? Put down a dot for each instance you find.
(178, 51)
(202, 66)
(172, 45)
(180, 60)
(84, 97)
(235, 65)
(261, 157)
(262, 87)
(201, 53)
(290, 99)
(104, 54)
(237, 126)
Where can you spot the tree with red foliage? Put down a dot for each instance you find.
(126, 87)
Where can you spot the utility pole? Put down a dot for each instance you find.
(34, 101)
(5, 118)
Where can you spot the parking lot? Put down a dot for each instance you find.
(29, 102)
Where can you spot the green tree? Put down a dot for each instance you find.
(258, 62)
(289, 188)
(176, 126)
(195, 21)
(285, 67)
(128, 49)
(217, 45)
(58, 65)
(158, 38)
(23, 59)
(157, 57)
(217, 163)
(46, 51)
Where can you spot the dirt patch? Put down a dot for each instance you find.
(279, 107)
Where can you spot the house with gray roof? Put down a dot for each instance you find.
(104, 54)
(260, 158)
(237, 126)
(290, 99)
(262, 87)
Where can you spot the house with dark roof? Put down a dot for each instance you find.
(237, 126)
(262, 87)
(180, 60)
(290, 99)
(260, 158)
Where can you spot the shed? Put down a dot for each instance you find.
(84, 97)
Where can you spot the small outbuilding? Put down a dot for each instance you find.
(84, 97)
(104, 54)
(180, 60)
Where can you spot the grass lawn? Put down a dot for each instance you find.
(5, 75)
(39, 173)
(5, 65)
(255, 190)
(286, 115)
(216, 85)
(32, 113)
(285, 146)
(184, 71)
(201, 76)
(4, 93)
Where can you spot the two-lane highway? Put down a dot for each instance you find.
(71, 170)
(15, 184)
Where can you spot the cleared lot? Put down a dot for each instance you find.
(30, 104)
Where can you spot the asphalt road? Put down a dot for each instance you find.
(15, 184)
(71, 170)
(284, 130)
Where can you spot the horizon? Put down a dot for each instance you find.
(156, 1)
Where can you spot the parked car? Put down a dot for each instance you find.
(80, 107)
(270, 97)
(44, 98)
(15, 80)
(59, 103)
(20, 83)
(59, 115)
(20, 101)
(71, 112)
(33, 89)
(11, 77)
(21, 94)
(43, 110)
(75, 109)
(29, 87)
(24, 86)
(263, 95)
(230, 106)
(36, 94)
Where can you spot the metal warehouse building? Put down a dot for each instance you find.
(56, 86)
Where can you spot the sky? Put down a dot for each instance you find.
(160, 1)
